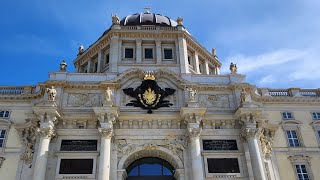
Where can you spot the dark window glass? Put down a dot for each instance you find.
(129, 53)
(76, 166)
(223, 165)
(107, 59)
(189, 60)
(4, 114)
(168, 54)
(148, 53)
(2, 135)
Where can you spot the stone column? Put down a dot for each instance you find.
(46, 132)
(250, 133)
(196, 62)
(100, 61)
(138, 51)
(193, 132)
(158, 51)
(106, 131)
(207, 70)
(114, 53)
(183, 55)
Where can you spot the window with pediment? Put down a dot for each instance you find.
(292, 132)
(302, 167)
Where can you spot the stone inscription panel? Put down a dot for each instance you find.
(220, 145)
(79, 145)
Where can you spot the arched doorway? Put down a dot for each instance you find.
(150, 168)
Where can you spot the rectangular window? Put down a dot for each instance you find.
(128, 53)
(4, 114)
(108, 59)
(318, 134)
(287, 115)
(223, 165)
(189, 60)
(302, 172)
(168, 54)
(76, 166)
(316, 115)
(2, 136)
(148, 53)
(95, 67)
(293, 138)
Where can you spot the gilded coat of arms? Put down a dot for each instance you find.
(149, 95)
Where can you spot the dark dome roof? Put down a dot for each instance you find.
(148, 19)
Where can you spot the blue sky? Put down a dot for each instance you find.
(275, 43)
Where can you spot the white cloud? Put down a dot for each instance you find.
(280, 68)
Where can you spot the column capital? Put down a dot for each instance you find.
(193, 130)
(249, 132)
(47, 132)
(192, 114)
(106, 132)
(106, 114)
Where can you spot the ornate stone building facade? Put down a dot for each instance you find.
(148, 101)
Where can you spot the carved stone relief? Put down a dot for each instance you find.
(217, 101)
(84, 100)
(175, 145)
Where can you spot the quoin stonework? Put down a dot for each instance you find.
(147, 101)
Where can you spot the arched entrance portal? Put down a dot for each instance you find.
(150, 168)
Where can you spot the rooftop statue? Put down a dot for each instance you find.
(180, 21)
(63, 66)
(115, 20)
(233, 68)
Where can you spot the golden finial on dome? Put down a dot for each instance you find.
(149, 75)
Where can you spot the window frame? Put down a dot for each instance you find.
(8, 112)
(293, 138)
(317, 113)
(287, 118)
(316, 128)
(148, 46)
(5, 125)
(165, 47)
(77, 155)
(293, 125)
(128, 46)
(227, 156)
(301, 160)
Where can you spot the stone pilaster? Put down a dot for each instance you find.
(107, 116)
(193, 119)
(48, 115)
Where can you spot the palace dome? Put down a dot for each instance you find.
(147, 18)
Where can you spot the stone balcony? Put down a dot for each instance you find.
(291, 92)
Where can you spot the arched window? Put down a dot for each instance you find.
(150, 167)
